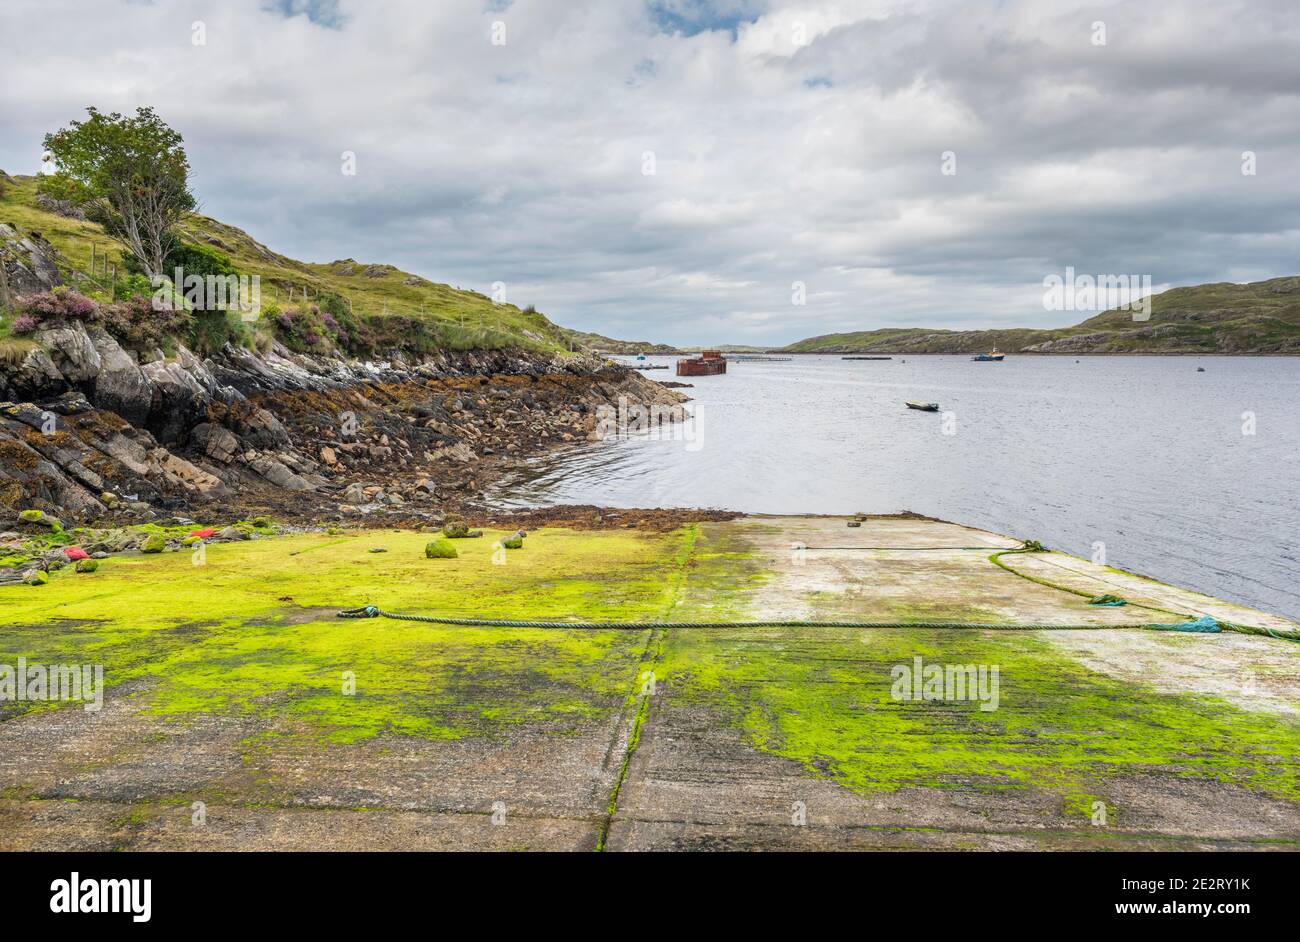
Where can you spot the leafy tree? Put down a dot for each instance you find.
(131, 175)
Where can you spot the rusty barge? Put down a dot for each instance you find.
(708, 363)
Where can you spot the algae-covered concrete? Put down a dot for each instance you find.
(241, 714)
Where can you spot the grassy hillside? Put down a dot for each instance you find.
(457, 319)
(1258, 318)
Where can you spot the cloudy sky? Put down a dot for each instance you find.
(667, 170)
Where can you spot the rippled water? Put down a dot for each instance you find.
(1143, 454)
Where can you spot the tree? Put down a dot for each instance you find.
(130, 174)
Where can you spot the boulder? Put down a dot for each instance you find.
(440, 548)
(278, 474)
(218, 443)
(41, 518)
(71, 351)
(154, 543)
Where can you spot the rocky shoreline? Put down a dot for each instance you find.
(96, 434)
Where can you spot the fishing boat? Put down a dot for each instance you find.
(923, 406)
(991, 357)
(708, 363)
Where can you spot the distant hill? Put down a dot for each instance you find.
(1258, 318)
(599, 343)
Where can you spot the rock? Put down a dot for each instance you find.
(440, 548)
(329, 456)
(71, 351)
(109, 500)
(231, 533)
(278, 474)
(513, 542)
(110, 541)
(42, 518)
(180, 473)
(459, 530)
(155, 543)
(855, 523)
(219, 444)
(120, 385)
(355, 494)
(99, 555)
(35, 577)
(87, 565)
(378, 549)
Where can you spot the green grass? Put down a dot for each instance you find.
(456, 319)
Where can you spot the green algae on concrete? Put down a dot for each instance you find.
(823, 697)
(252, 632)
(252, 629)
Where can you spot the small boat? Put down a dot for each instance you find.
(1200, 369)
(923, 406)
(991, 357)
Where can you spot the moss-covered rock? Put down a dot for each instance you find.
(35, 577)
(440, 548)
(513, 542)
(41, 518)
(459, 530)
(154, 543)
(87, 565)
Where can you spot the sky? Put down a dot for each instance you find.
(691, 172)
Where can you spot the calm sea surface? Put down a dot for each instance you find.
(1143, 454)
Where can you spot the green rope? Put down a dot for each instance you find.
(1192, 624)
(372, 611)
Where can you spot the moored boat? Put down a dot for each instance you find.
(923, 406)
(991, 357)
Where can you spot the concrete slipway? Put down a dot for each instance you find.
(228, 722)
